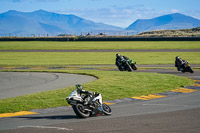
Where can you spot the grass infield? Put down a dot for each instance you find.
(88, 58)
(39, 45)
(112, 85)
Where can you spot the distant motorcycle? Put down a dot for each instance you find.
(96, 107)
(127, 65)
(182, 65)
(186, 68)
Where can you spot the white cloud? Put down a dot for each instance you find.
(193, 13)
(124, 16)
(118, 16)
(114, 14)
(174, 10)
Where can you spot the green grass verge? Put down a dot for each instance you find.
(100, 45)
(86, 58)
(112, 85)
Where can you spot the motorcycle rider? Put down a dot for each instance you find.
(89, 96)
(119, 61)
(179, 63)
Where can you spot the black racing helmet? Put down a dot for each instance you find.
(79, 87)
(117, 55)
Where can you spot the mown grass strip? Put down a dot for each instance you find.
(111, 84)
(77, 58)
(100, 45)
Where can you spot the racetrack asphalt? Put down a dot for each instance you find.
(177, 114)
(14, 84)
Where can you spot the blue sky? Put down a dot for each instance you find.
(114, 12)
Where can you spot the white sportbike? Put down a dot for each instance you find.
(86, 106)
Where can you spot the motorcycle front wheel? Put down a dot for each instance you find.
(106, 109)
(190, 70)
(80, 111)
(134, 67)
(128, 67)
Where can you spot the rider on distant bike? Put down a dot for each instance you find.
(119, 61)
(179, 63)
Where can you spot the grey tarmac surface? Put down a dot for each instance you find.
(175, 114)
(172, 114)
(14, 84)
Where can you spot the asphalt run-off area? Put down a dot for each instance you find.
(21, 83)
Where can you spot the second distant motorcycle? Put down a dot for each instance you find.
(124, 63)
(183, 65)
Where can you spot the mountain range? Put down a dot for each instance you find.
(166, 22)
(44, 22)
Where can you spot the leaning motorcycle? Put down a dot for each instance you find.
(128, 65)
(186, 68)
(96, 107)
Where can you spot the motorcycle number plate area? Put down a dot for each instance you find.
(187, 65)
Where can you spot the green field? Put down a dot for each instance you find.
(87, 58)
(4, 45)
(112, 84)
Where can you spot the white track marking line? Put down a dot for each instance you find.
(46, 127)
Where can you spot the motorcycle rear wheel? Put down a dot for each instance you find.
(80, 112)
(106, 109)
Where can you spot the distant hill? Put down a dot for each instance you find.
(166, 22)
(194, 32)
(43, 22)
